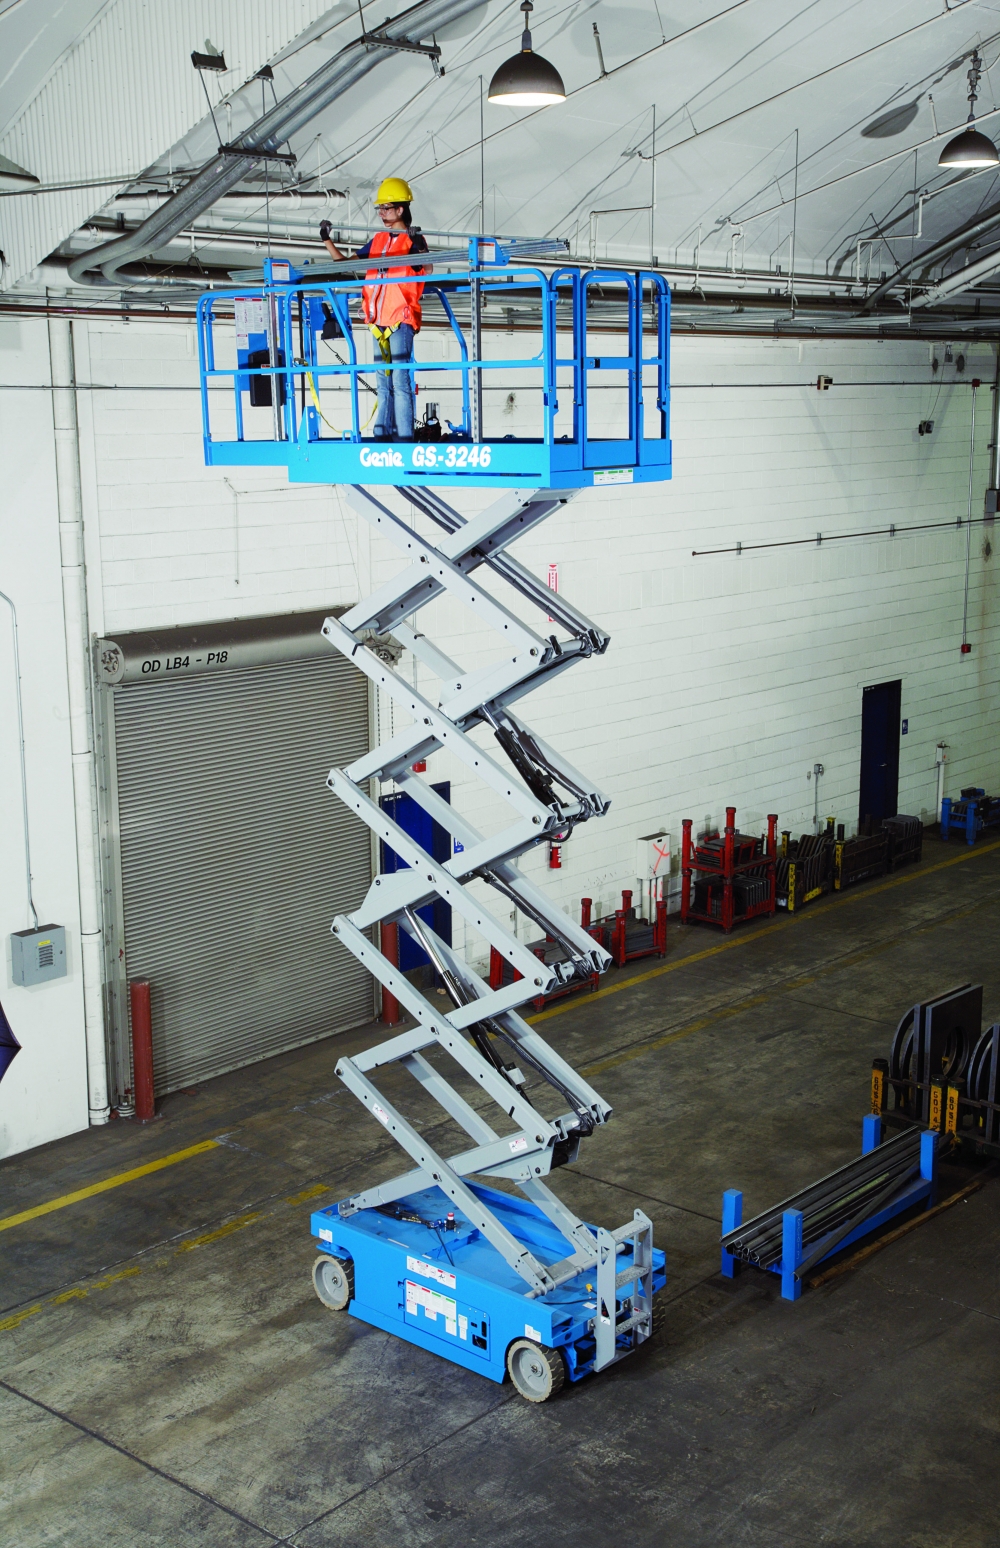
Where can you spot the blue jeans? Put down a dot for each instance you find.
(394, 415)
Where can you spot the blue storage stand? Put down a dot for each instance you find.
(972, 814)
(437, 1282)
(272, 335)
(850, 1203)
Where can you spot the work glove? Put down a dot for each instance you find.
(324, 230)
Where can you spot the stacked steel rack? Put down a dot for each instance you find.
(728, 878)
(551, 954)
(858, 859)
(973, 813)
(804, 868)
(906, 840)
(796, 1235)
(943, 1071)
(626, 934)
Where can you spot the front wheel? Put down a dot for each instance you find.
(537, 1373)
(333, 1281)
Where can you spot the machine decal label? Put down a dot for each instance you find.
(380, 1114)
(467, 456)
(463, 1327)
(613, 476)
(430, 1271)
(455, 456)
(435, 1305)
(530, 1332)
(518, 1144)
(325, 1236)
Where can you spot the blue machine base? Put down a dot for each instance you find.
(449, 1291)
(493, 465)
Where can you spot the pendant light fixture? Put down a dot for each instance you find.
(970, 148)
(526, 79)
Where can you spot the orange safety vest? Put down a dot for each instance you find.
(390, 305)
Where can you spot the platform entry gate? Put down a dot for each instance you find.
(223, 857)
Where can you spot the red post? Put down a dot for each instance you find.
(586, 904)
(142, 1048)
(660, 928)
(390, 950)
(626, 901)
(618, 938)
(685, 868)
(772, 849)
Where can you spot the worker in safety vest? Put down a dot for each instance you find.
(392, 311)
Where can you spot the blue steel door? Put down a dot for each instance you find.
(879, 781)
(437, 842)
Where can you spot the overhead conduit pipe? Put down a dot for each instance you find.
(931, 255)
(262, 140)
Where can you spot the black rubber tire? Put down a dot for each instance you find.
(659, 1321)
(333, 1281)
(537, 1373)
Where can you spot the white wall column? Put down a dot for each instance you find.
(78, 673)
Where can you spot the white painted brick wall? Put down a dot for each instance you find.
(728, 677)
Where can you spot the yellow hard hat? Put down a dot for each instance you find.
(394, 190)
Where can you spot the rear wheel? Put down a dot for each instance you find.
(659, 1317)
(333, 1281)
(537, 1373)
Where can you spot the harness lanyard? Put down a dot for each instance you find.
(382, 336)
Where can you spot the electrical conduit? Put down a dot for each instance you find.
(81, 717)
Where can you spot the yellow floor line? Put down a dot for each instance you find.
(103, 1187)
(216, 1236)
(556, 1010)
(581, 1002)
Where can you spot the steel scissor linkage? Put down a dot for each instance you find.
(498, 1054)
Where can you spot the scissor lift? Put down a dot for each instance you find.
(501, 1282)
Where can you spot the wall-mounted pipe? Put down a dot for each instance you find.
(24, 776)
(81, 718)
(262, 140)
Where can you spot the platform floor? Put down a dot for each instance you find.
(168, 1376)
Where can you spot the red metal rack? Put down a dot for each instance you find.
(548, 950)
(735, 874)
(624, 934)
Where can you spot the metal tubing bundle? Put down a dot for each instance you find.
(830, 1207)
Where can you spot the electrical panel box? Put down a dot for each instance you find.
(38, 955)
(652, 856)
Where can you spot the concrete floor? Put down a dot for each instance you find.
(168, 1376)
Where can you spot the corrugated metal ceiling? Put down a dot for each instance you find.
(116, 98)
(861, 90)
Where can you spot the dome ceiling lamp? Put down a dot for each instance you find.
(970, 148)
(526, 79)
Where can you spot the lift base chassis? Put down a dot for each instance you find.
(444, 1288)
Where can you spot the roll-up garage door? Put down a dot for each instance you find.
(234, 857)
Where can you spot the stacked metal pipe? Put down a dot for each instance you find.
(832, 1207)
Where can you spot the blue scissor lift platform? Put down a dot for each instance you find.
(501, 1283)
(280, 361)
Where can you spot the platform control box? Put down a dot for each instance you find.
(36, 956)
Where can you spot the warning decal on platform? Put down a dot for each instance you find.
(431, 1271)
(613, 476)
(435, 1305)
